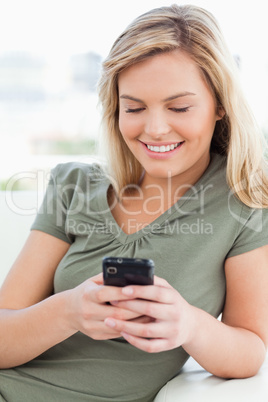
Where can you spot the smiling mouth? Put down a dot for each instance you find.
(164, 148)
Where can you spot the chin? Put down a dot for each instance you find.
(161, 174)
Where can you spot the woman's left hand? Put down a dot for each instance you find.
(172, 318)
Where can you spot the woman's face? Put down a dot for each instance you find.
(167, 115)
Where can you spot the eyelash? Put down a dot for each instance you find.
(134, 110)
(181, 110)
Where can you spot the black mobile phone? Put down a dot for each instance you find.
(127, 271)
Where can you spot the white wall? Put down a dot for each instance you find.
(17, 212)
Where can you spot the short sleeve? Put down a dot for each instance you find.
(253, 231)
(51, 216)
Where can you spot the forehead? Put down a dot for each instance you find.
(166, 70)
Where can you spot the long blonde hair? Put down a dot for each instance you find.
(195, 31)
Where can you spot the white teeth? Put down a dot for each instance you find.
(163, 148)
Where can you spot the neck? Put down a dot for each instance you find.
(172, 188)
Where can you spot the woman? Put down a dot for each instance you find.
(185, 186)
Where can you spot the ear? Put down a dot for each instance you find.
(220, 113)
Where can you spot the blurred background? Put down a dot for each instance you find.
(50, 58)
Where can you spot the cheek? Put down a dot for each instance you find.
(129, 128)
(200, 126)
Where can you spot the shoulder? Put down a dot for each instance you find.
(217, 178)
(227, 208)
(248, 226)
(78, 173)
(73, 182)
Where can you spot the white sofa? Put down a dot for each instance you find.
(17, 211)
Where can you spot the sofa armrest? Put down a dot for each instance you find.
(195, 384)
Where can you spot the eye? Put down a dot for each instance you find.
(180, 110)
(137, 110)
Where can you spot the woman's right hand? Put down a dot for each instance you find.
(89, 306)
(33, 319)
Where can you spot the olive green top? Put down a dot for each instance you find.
(189, 244)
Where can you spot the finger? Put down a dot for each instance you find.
(149, 330)
(160, 311)
(98, 279)
(161, 282)
(143, 319)
(155, 293)
(102, 311)
(103, 294)
(132, 314)
(99, 331)
(147, 345)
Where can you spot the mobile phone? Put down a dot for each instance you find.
(127, 271)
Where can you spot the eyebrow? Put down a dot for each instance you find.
(170, 98)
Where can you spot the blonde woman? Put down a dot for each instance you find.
(185, 185)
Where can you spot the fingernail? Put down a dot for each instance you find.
(127, 291)
(109, 322)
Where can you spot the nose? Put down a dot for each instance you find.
(156, 124)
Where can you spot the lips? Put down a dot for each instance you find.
(162, 148)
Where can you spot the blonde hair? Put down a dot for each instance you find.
(195, 31)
